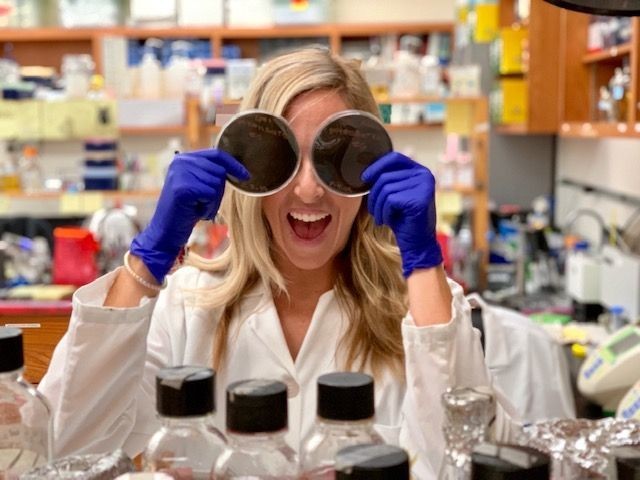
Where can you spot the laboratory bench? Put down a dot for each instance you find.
(43, 323)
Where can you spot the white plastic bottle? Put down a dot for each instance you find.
(256, 429)
(150, 72)
(177, 71)
(187, 444)
(345, 416)
(25, 415)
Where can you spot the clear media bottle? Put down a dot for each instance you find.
(345, 416)
(25, 415)
(187, 444)
(468, 412)
(368, 462)
(256, 429)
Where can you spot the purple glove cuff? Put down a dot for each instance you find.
(158, 263)
(429, 258)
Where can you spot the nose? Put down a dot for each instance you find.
(306, 185)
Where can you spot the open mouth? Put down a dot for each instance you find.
(308, 226)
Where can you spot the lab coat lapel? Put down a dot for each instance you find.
(265, 324)
(319, 349)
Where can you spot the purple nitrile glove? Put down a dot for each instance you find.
(192, 191)
(402, 197)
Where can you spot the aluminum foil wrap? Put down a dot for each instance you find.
(581, 448)
(84, 467)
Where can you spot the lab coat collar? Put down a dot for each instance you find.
(496, 341)
(265, 323)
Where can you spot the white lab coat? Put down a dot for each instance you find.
(101, 380)
(526, 364)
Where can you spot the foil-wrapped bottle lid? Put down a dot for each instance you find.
(468, 411)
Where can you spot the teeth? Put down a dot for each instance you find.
(309, 217)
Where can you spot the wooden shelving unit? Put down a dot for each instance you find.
(585, 72)
(541, 71)
(46, 46)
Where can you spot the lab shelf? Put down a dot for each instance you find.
(612, 53)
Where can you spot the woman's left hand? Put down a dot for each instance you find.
(402, 197)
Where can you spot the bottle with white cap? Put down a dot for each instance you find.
(345, 416)
(187, 445)
(256, 428)
(509, 462)
(372, 462)
(468, 411)
(25, 415)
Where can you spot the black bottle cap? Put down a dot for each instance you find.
(11, 353)
(345, 396)
(185, 391)
(508, 462)
(372, 462)
(256, 406)
(627, 462)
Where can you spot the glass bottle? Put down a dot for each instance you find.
(509, 462)
(345, 416)
(187, 444)
(467, 412)
(25, 415)
(256, 428)
(367, 462)
(31, 179)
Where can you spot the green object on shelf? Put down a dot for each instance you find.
(549, 318)
(385, 112)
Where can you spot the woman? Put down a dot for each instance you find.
(312, 282)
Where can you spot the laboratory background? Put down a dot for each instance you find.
(527, 113)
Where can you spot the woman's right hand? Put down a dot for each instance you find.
(192, 191)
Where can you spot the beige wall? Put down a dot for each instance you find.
(362, 11)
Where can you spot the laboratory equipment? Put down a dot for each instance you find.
(25, 415)
(620, 281)
(509, 462)
(366, 462)
(270, 138)
(468, 412)
(609, 371)
(187, 443)
(346, 144)
(345, 417)
(629, 407)
(256, 427)
(582, 274)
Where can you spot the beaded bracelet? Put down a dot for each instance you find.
(139, 279)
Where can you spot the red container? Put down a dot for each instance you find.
(74, 256)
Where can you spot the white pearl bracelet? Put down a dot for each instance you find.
(139, 279)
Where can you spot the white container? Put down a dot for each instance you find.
(198, 12)
(153, 12)
(135, 112)
(239, 74)
(249, 13)
(150, 77)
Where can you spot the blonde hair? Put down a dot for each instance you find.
(369, 286)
